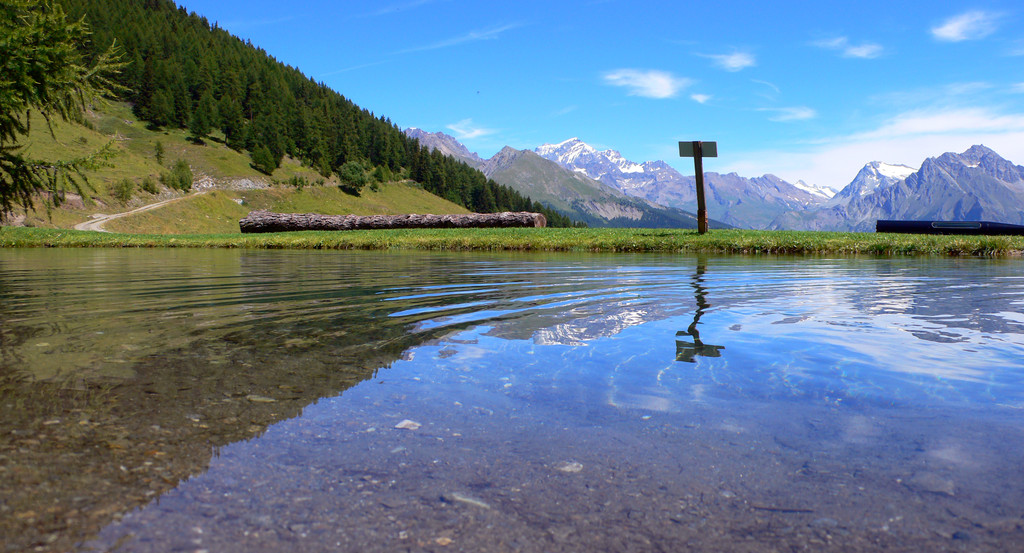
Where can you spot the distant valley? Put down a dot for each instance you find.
(603, 188)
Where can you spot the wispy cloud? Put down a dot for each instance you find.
(939, 97)
(649, 83)
(566, 110)
(785, 115)
(736, 61)
(1018, 88)
(353, 68)
(930, 122)
(971, 25)
(398, 8)
(466, 130)
(472, 36)
(768, 84)
(700, 98)
(865, 50)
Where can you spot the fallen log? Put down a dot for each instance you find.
(268, 221)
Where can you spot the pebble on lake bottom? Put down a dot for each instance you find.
(569, 467)
(408, 425)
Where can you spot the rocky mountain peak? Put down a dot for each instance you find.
(502, 160)
(446, 144)
(975, 154)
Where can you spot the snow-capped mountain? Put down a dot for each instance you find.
(732, 199)
(607, 166)
(975, 185)
(874, 176)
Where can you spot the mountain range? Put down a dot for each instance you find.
(976, 185)
(573, 193)
(732, 199)
(603, 188)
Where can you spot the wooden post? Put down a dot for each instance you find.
(702, 208)
(698, 150)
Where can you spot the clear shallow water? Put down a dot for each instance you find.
(233, 401)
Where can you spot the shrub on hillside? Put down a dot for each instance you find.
(353, 177)
(149, 185)
(180, 177)
(123, 190)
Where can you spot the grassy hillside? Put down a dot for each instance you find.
(215, 168)
(218, 211)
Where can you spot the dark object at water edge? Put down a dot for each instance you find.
(268, 221)
(949, 227)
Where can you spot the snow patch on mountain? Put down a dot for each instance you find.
(824, 192)
(893, 171)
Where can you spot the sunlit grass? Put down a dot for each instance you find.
(546, 240)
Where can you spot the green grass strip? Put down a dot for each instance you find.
(544, 240)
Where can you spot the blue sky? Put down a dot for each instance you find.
(803, 90)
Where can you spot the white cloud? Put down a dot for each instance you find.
(700, 98)
(970, 25)
(866, 50)
(737, 61)
(796, 113)
(906, 138)
(832, 43)
(930, 122)
(466, 130)
(1018, 88)
(649, 84)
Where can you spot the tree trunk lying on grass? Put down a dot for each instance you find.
(267, 221)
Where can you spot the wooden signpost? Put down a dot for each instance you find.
(698, 150)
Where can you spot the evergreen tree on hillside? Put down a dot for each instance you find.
(203, 117)
(189, 74)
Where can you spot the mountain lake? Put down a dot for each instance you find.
(251, 401)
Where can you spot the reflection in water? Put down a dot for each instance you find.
(687, 351)
(255, 401)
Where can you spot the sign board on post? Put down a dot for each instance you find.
(708, 149)
(699, 150)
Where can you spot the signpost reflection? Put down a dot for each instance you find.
(688, 350)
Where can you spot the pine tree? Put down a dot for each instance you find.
(203, 117)
(43, 71)
(231, 123)
(263, 160)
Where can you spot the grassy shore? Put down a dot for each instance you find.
(545, 240)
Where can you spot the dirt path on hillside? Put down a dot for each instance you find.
(99, 219)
